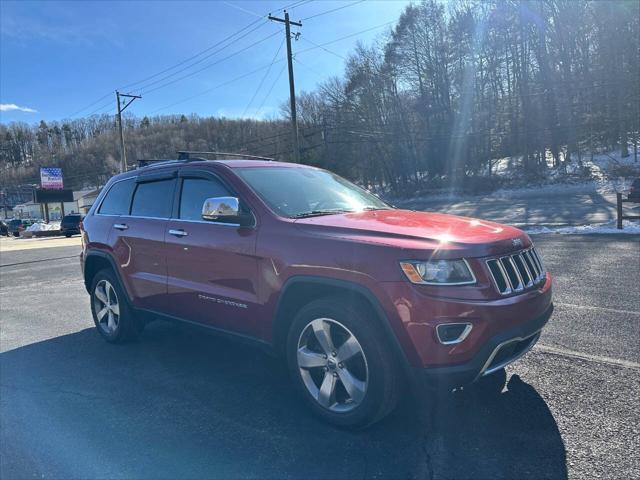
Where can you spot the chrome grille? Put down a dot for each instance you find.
(517, 272)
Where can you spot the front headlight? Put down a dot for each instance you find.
(438, 272)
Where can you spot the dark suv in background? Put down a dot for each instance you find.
(361, 299)
(70, 224)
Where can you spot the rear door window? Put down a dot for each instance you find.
(153, 199)
(194, 192)
(118, 198)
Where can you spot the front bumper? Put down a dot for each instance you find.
(500, 350)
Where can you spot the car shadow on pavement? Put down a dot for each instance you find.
(182, 403)
(511, 435)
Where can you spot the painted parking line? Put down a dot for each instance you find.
(604, 309)
(38, 261)
(565, 352)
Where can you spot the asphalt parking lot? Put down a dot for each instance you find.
(182, 403)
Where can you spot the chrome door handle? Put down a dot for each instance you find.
(178, 233)
(120, 226)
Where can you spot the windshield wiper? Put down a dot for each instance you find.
(317, 213)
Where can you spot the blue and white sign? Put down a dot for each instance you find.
(51, 177)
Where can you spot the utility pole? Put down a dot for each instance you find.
(292, 87)
(123, 153)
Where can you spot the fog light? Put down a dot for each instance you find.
(452, 333)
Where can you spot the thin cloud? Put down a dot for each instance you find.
(63, 30)
(11, 107)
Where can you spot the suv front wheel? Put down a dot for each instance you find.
(113, 316)
(341, 363)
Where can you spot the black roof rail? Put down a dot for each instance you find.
(146, 162)
(186, 155)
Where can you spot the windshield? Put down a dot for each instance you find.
(302, 192)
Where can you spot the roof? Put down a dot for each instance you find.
(229, 162)
(233, 163)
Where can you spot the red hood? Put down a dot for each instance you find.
(410, 229)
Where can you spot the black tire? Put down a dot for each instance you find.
(67, 235)
(489, 386)
(383, 378)
(127, 325)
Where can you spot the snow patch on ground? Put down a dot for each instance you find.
(628, 227)
(43, 227)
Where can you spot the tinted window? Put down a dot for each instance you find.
(118, 198)
(153, 199)
(194, 192)
(71, 219)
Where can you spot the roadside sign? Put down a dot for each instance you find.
(51, 178)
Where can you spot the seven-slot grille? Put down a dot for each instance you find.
(517, 272)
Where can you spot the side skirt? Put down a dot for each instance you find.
(266, 347)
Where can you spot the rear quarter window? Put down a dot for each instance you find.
(118, 198)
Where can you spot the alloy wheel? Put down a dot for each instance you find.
(106, 307)
(332, 365)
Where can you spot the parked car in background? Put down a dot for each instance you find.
(4, 229)
(634, 191)
(16, 226)
(359, 298)
(70, 224)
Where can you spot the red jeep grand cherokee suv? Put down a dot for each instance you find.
(362, 299)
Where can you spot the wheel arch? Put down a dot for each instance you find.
(300, 290)
(96, 261)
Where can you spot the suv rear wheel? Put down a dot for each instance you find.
(113, 316)
(341, 363)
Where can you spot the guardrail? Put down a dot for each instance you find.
(621, 216)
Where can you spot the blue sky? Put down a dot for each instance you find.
(58, 57)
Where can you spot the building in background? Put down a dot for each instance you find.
(86, 200)
(82, 201)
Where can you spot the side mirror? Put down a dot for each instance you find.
(221, 208)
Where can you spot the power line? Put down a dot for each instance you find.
(102, 107)
(91, 104)
(215, 87)
(264, 100)
(332, 10)
(166, 77)
(190, 74)
(238, 7)
(228, 38)
(199, 54)
(183, 62)
(169, 68)
(347, 36)
(316, 46)
(318, 74)
(266, 74)
(193, 73)
(293, 5)
(323, 48)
